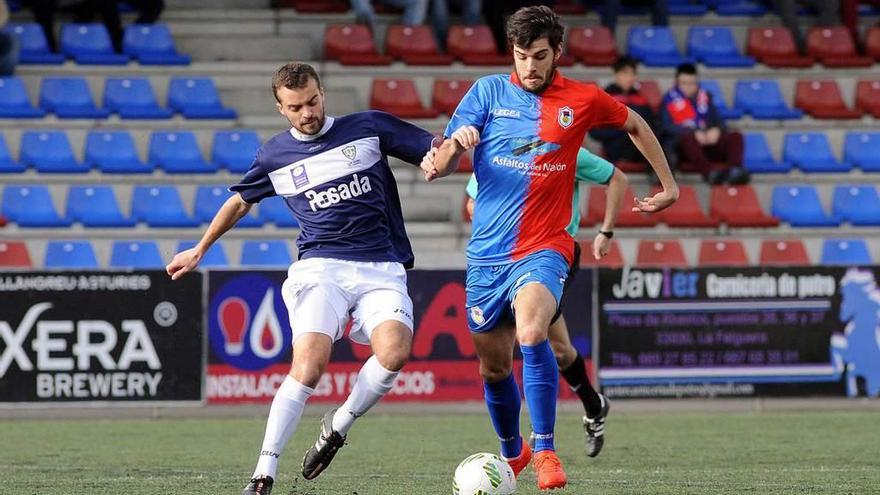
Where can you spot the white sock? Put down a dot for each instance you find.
(287, 408)
(373, 382)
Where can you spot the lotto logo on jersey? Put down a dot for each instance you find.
(333, 195)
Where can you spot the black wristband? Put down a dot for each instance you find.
(607, 233)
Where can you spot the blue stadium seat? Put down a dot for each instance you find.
(275, 210)
(686, 8)
(152, 44)
(265, 253)
(197, 98)
(715, 46)
(95, 206)
(857, 204)
(32, 44)
(235, 150)
(136, 254)
(737, 7)
(845, 252)
(177, 152)
(811, 152)
(14, 100)
(70, 254)
(758, 158)
(208, 201)
(214, 258)
(7, 164)
(69, 98)
(49, 152)
(90, 44)
(159, 206)
(799, 205)
(113, 152)
(133, 98)
(654, 46)
(762, 99)
(714, 89)
(31, 206)
(862, 149)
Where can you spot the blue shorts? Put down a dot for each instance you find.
(492, 289)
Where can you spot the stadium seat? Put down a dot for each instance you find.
(197, 98)
(215, 257)
(722, 253)
(177, 152)
(738, 206)
(654, 46)
(49, 152)
(592, 45)
(686, 212)
(784, 252)
(319, 6)
(114, 152)
(857, 204)
(758, 158)
(159, 206)
(474, 45)
(834, 47)
(822, 100)
(799, 206)
(775, 47)
(133, 98)
(90, 44)
(448, 93)
(142, 255)
(235, 150)
(762, 99)
(614, 258)
(31, 206)
(208, 201)
(872, 42)
(399, 97)
(860, 149)
(811, 152)
(687, 8)
(650, 89)
(69, 98)
(7, 164)
(738, 7)
(14, 254)
(868, 97)
(275, 210)
(661, 253)
(70, 254)
(267, 253)
(152, 44)
(714, 89)
(32, 44)
(352, 44)
(845, 252)
(715, 46)
(14, 100)
(625, 218)
(414, 45)
(95, 206)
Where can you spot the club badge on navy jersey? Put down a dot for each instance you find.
(566, 117)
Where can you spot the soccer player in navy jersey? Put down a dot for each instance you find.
(353, 252)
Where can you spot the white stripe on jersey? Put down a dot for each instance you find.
(303, 175)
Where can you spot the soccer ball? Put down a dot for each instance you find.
(483, 474)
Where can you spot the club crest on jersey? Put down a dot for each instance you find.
(477, 315)
(566, 116)
(300, 177)
(350, 151)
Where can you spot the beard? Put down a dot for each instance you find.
(548, 78)
(311, 128)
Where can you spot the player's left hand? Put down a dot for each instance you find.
(653, 204)
(601, 246)
(427, 165)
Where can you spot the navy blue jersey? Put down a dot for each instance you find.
(339, 186)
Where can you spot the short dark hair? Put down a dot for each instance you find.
(533, 23)
(689, 69)
(624, 62)
(294, 75)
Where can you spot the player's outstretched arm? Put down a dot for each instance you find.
(645, 140)
(229, 214)
(449, 152)
(616, 190)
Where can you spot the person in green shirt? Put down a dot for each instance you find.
(594, 170)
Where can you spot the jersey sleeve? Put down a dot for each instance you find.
(593, 169)
(255, 185)
(401, 139)
(472, 110)
(606, 111)
(471, 188)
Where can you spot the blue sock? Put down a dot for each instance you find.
(541, 385)
(503, 402)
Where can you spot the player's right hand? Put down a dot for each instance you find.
(183, 263)
(467, 136)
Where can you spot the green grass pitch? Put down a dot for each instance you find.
(665, 453)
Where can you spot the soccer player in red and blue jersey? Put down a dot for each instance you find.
(526, 129)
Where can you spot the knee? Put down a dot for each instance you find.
(564, 354)
(494, 372)
(393, 359)
(307, 374)
(531, 334)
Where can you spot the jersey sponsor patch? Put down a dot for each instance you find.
(335, 194)
(335, 163)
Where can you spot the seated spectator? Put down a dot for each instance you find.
(414, 11)
(609, 10)
(8, 45)
(828, 14)
(693, 128)
(470, 10)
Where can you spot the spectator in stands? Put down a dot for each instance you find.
(8, 46)
(414, 11)
(828, 15)
(849, 12)
(610, 9)
(693, 128)
(470, 10)
(497, 12)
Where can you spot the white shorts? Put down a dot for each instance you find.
(321, 294)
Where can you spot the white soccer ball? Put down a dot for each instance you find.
(483, 474)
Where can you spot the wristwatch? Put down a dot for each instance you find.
(607, 233)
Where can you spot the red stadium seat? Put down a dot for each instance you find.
(568, 7)
(775, 47)
(784, 252)
(661, 253)
(466, 164)
(352, 44)
(632, 167)
(415, 45)
(651, 91)
(448, 93)
(723, 253)
(399, 97)
(686, 212)
(738, 206)
(474, 45)
(625, 218)
(14, 254)
(593, 45)
(822, 99)
(614, 258)
(868, 97)
(834, 47)
(872, 42)
(318, 6)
